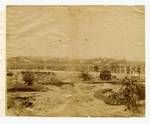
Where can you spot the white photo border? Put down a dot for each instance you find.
(38, 120)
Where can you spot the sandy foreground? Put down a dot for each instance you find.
(68, 101)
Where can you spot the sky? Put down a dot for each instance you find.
(76, 31)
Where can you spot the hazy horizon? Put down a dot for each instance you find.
(76, 32)
(68, 58)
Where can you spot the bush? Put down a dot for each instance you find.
(53, 81)
(140, 88)
(9, 74)
(28, 77)
(18, 102)
(134, 78)
(85, 76)
(141, 91)
(105, 75)
(129, 95)
(26, 88)
(132, 93)
(114, 77)
(109, 96)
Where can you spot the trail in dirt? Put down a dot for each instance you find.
(69, 101)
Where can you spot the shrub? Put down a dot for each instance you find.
(141, 91)
(96, 68)
(105, 75)
(18, 102)
(134, 78)
(52, 81)
(9, 74)
(26, 88)
(28, 77)
(137, 87)
(109, 96)
(129, 95)
(132, 93)
(85, 76)
(114, 77)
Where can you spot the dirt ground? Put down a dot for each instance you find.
(66, 101)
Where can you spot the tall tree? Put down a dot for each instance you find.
(139, 71)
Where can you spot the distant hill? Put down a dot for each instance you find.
(96, 61)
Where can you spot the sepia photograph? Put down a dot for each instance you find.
(75, 60)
